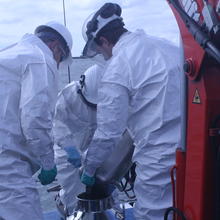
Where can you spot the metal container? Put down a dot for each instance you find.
(86, 204)
(89, 216)
(91, 209)
(118, 163)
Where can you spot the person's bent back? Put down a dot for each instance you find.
(28, 84)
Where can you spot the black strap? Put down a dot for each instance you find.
(79, 91)
(82, 81)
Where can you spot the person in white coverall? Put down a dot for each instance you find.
(73, 128)
(29, 87)
(140, 89)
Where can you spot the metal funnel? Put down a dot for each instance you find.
(93, 205)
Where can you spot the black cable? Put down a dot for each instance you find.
(125, 189)
(175, 210)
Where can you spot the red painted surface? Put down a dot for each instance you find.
(195, 183)
(180, 178)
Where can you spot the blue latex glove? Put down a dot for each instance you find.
(87, 180)
(47, 176)
(73, 156)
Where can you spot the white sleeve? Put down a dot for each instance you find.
(66, 122)
(38, 94)
(112, 115)
(60, 128)
(74, 120)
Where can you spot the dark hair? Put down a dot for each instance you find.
(112, 32)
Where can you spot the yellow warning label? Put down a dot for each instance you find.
(196, 98)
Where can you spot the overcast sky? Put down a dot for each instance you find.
(22, 16)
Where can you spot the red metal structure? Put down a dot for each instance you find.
(198, 163)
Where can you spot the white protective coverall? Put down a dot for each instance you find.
(74, 125)
(140, 89)
(28, 92)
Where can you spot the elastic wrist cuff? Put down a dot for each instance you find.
(47, 161)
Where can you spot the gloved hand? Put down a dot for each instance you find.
(73, 156)
(87, 180)
(47, 176)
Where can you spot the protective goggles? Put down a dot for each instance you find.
(93, 28)
(62, 44)
(65, 53)
(90, 49)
